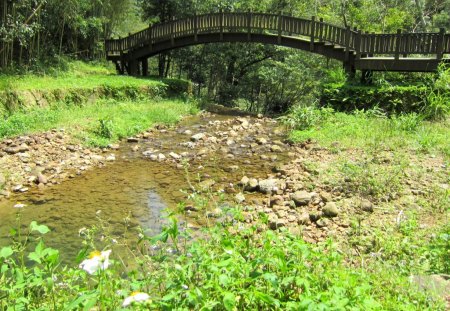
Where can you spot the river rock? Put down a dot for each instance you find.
(261, 141)
(330, 210)
(206, 184)
(161, 157)
(110, 146)
(187, 132)
(243, 182)
(239, 198)
(275, 148)
(216, 213)
(367, 206)
(304, 219)
(231, 169)
(252, 184)
(111, 158)
(5, 194)
(132, 140)
(275, 222)
(197, 137)
(42, 179)
(315, 216)
(302, 198)
(174, 155)
(268, 186)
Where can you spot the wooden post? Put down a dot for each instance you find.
(133, 68)
(348, 33)
(440, 44)
(397, 44)
(195, 28)
(222, 17)
(280, 21)
(321, 29)
(145, 67)
(249, 26)
(313, 30)
(172, 30)
(358, 45)
(150, 37)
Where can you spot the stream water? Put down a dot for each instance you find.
(133, 191)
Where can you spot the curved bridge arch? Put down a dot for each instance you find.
(357, 50)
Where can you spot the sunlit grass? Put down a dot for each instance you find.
(79, 75)
(126, 119)
(359, 131)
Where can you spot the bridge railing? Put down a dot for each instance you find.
(363, 44)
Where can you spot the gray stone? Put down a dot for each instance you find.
(261, 141)
(275, 148)
(244, 181)
(42, 179)
(206, 184)
(252, 184)
(302, 198)
(315, 216)
(367, 206)
(240, 198)
(304, 219)
(268, 185)
(174, 155)
(330, 210)
(197, 137)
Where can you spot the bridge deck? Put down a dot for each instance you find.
(357, 50)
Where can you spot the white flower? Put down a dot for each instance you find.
(97, 260)
(135, 297)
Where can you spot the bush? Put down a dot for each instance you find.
(306, 117)
(392, 99)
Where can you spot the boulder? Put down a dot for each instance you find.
(197, 137)
(302, 198)
(330, 210)
(268, 186)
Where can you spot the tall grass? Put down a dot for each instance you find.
(124, 119)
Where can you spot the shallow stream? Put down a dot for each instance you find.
(133, 191)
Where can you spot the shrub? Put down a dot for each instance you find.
(306, 117)
(392, 99)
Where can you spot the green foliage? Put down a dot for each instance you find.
(391, 99)
(105, 128)
(245, 269)
(306, 117)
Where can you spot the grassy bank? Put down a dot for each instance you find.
(97, 124)
(369, 129)
(90, 101)
(78, 75)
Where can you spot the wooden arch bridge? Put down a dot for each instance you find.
(417, 52)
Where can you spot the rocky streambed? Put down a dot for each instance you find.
(208, 162)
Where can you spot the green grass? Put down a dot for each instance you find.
(363, 130)
(80, 75)
(123, 119)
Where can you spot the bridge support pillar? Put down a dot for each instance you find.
(133, 68)
(145, 67)
(366, 77)
(350, 70)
